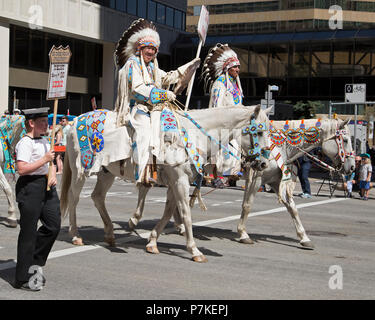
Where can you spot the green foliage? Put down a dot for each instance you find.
(306, 110)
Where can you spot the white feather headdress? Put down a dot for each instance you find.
(140, 33)
(218, 61)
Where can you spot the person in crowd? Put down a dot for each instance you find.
(304, 166)
(65, 128)
(365, 172)
(58, 142)
(16, 112)
(35, 202)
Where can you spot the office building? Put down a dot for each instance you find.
(29, 28)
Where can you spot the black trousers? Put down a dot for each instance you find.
(35, 203)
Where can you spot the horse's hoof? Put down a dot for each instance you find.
(131, 225)
(307, 245)
(246, 241)
(111, 242)
(78, 242)
(200, 259)
(11, 223)
(152, 249)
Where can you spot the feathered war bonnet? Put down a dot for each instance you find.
(141, 33)
(218, 61)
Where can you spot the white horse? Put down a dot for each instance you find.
(14, 123)
(177, 177)
(272, 175)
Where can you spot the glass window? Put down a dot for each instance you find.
(79, 58)
(178, 19)
(161, 13)
(121, 5)
(91, 59)
(142, 8)
(197, 10)
(169, 17)
(22, 47)
(37, 50)
(151, 14)
(132, 7)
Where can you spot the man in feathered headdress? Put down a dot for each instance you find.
(221, 70)
(141, 86)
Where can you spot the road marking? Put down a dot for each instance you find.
(260, 213)
(145, 235)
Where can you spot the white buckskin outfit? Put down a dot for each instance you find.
(140, 88)
(225, 91)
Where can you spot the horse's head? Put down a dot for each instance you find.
(337, 145)
(255, 139)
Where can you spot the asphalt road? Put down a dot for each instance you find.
(275, 267)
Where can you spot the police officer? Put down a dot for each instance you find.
(35, 203)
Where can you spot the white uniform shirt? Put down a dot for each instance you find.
(30, 150)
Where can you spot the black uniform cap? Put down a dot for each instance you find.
(35, 113)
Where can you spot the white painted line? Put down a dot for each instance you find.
(254, 214)
(145, 235)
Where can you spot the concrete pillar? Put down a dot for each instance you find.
(4, 66)
(108, 80)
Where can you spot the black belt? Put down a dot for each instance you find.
(29, 178)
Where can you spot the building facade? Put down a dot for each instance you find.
(299, 45)
(29, 28)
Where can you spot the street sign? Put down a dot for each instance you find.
(263, 105)
(355, 93)
(203, 24)
(58, 72)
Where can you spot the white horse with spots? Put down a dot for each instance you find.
(330, 131)
(176, 176)
(14, 123)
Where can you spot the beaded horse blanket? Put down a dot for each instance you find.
(100, 141)
(7, 126)
(168, 123)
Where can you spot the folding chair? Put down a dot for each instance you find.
(333, 183)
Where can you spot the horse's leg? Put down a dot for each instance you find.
(137, 216)
(251, 188)
(287, 200)
(180, 187)
(178, 223)
(156, 231)
(12, 218)
(73, 199)
(103, 183)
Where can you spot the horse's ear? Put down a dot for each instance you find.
(257, 110)
(344, 123)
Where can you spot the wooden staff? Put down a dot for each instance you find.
(52, 141)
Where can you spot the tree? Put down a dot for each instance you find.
(306, 110)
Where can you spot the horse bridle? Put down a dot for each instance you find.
(253, 129)
(342, 155)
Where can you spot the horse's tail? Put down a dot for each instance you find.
(65, 185)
